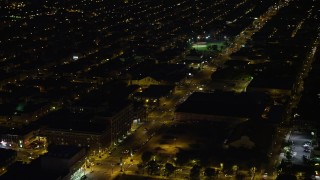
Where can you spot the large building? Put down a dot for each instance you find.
(66, 160)
(60, 163)
(97, 131)
(219, 106)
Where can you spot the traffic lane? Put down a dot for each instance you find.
(136, 139)
(98, 175)
(104, 169)
(111, 164)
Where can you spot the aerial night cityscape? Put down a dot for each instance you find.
(159, 89)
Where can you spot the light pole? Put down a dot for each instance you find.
(253, 171)
(112, 165)
(131, 156)
(121, 164)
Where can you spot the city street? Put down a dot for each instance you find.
(109, 165)
(210, 89)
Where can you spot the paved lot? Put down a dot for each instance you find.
(299, 139)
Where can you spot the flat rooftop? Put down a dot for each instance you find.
(156, 91)
(64, 120)
(244, 105)
(61, 151)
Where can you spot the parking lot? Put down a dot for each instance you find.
(301, 146)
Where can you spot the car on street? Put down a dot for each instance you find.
(306, 145)
(307, 149)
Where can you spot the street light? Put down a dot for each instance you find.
(221, 166)
(112, 165)
(131, 155)
(253, 171)
(235, 169)
(121, 167)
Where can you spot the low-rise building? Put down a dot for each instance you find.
(66, 160)
(60, 163)
(221, 106)
(276, 87)
(94, 130)
(153, 95)
(20, 114)
(65, 127)
(157, 74)
(276, 79)
(7, 157)
(18, 137)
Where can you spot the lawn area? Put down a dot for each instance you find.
(195, 140)
(202, 142)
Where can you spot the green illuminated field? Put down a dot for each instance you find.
(205, 47)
